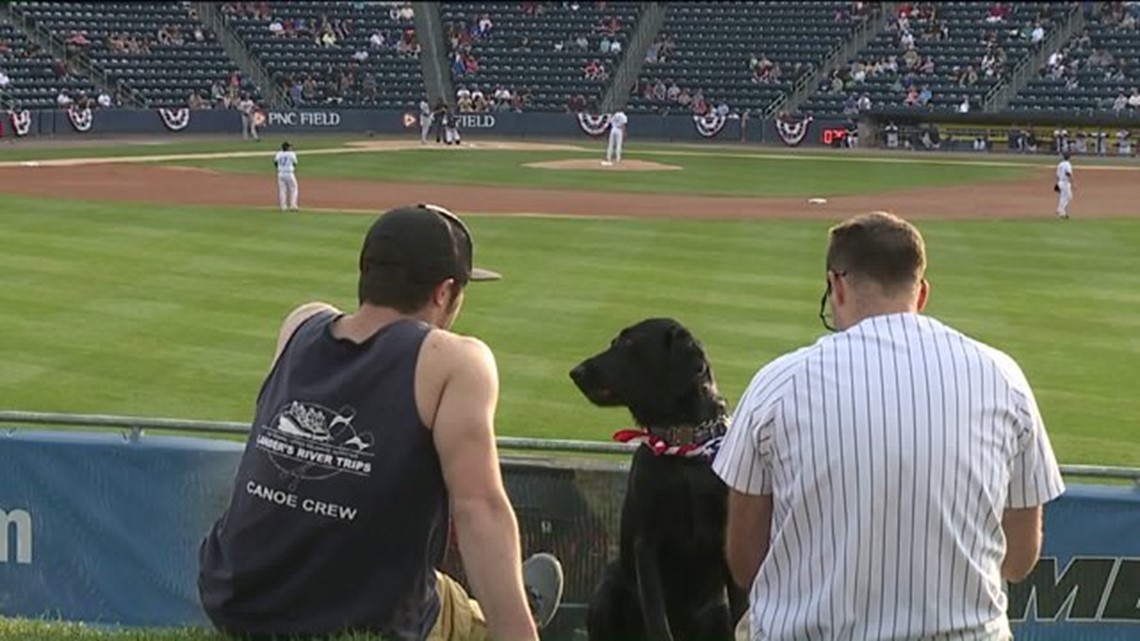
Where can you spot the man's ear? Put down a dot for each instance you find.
(686, 363)
(441, 292)
(923, 294)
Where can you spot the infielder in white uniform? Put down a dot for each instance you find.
(1064, 185)
(887, 480)
(618, 122)
(286, 163)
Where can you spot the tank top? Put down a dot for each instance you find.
(339, 512)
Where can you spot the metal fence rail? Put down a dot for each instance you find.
(139, 423)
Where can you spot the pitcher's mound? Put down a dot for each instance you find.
(597, 165)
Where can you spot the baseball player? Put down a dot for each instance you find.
(426, 118)
(450, 128)
(1064, 185)
(889, 479)
(286, 163)
(248, 126)
(618, 122)
(1123, 143)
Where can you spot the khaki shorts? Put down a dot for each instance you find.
(460, 617)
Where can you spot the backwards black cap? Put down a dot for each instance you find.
(421, 243)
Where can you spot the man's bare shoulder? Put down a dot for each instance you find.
(296, 318)
(449, 347)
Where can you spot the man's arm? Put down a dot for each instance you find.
(742, 463)
(485, 522)
(749, 529)
(1022, 527)
(1035, 479)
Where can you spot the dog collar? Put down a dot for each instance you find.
(700, 441)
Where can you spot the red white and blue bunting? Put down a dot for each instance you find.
(792, 130)
(175, 119)
(710, 124)
(594, 125)
(21, 121)
(81, 119)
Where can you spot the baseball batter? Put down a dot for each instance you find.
(618, 122)
(1064, 185)
(286, 163)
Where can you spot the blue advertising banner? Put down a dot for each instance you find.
(103, 528)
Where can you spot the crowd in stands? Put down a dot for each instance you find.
(1085, 59)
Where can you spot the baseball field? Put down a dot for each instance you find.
(148, 278)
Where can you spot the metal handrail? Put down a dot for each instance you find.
(138, 423)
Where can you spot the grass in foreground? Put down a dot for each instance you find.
(32, 630)
(112, 308)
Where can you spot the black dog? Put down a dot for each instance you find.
(671, 581)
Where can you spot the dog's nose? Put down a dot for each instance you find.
(577, 373)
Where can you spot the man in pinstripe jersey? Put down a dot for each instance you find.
(887, 480)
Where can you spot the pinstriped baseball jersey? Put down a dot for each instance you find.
(890, 451)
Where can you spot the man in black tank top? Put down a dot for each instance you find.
(371, 431)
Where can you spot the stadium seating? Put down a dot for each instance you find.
(551, 65)
(713, 43)
(336, 76)
(1090, 83)
(165, 75)
(35, 78)
(963, 45)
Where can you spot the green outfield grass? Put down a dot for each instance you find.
(114, 308)
(711, 173)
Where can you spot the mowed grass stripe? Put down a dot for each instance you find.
(174, 311)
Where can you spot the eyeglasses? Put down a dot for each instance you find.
(824, 312)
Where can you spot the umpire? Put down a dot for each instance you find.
(887, 479)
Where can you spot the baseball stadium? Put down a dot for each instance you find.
(149, 257)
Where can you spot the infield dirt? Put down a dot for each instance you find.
(1098, 193)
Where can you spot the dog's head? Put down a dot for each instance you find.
(655, 368)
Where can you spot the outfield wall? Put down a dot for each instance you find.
(956, 132)
(105, 527)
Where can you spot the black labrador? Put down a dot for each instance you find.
(671, 581)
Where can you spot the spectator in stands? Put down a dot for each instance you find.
(850, 105)
(615, 47)
(195, 101)
(369, 87)
(672, 92)
(1038, 34)
(104, 100)
(911, 98)
(485, 26)
(604, 45)
(376, 40)
(925, 95)
(722, 109)
(864, 103)
(684, 99)
(1134, 99)
(582, 42)
(5, 80)
(478, 100)
(63, 100)
(964, 106)
(276, 27)
(462, 93)
(199, 34)
(700, 106)
(502, 98)
(592, 70)
(998, 13)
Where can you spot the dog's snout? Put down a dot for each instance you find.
(578, 373)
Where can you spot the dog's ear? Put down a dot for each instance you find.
(686, 362)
